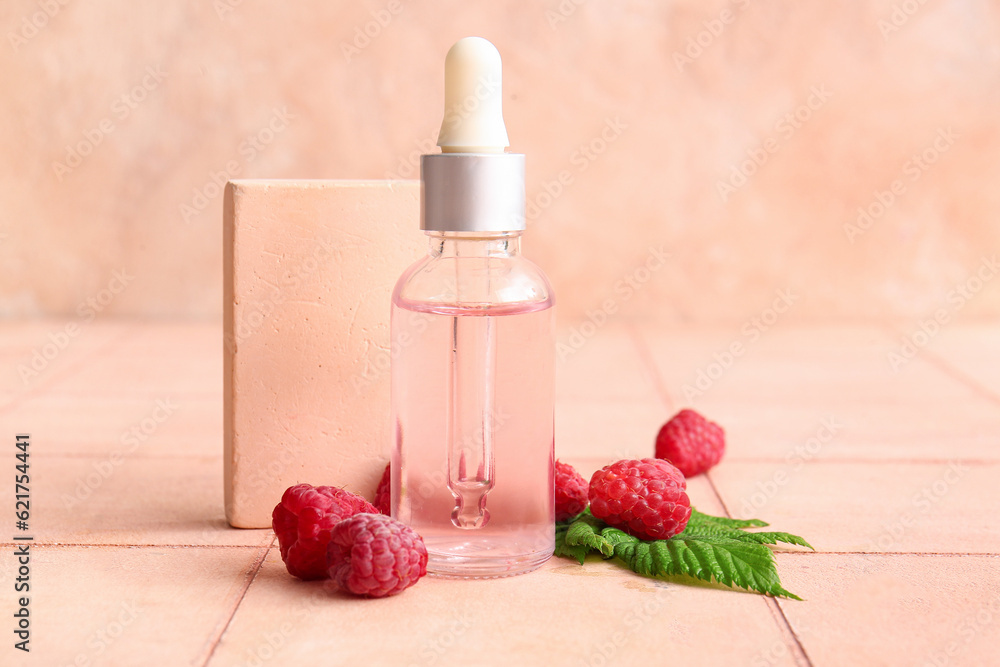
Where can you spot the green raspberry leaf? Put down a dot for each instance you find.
(710, 548)
(616, 537)
(774, 538)
(585, 532)
(704, 525)
(563, 550)
(580, 536)
(700, 519)
(734, 563)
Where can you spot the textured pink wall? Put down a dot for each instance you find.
(739, 137)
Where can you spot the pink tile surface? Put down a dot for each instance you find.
(973, 350)
(906, 549)
(894, 610)
(136, 425)
(824, 368)
(783, 431)
(802, 394)
(891, 507)
(606, 401)
(38, 354)
(130, 500)
(547, 617)
(604, 365)
(138, 366)
(608, 429)
(100, 606)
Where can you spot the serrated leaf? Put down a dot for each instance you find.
(561, 529)
(584, 532)
(710, 526)
(563, 550)
(707, 529)
(616, 537)
(710, 549)
(699, 518)
(774, 538)
(579, 537)
(734, 563)
(758, 538)
(578, 553)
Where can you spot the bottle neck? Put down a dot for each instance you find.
(474, 244)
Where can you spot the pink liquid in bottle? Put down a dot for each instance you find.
(473, 350)
(473, 416)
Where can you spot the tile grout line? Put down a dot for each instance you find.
(216, 638)
(648, 362)
(943, 365)
(772, 603)
(646, 357)
(718, 496)
(648, 365)
(776, 604)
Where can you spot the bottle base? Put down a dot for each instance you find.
(451, 566)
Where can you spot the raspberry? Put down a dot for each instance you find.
(383, 493)
(375, 555)
(571, 491)
(303, 520)
(644, 498)
(691, 442)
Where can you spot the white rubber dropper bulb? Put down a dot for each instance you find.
(473, 99)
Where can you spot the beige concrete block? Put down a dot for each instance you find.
(309, 270)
